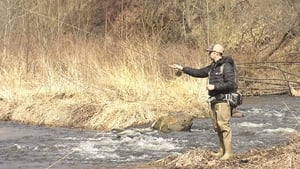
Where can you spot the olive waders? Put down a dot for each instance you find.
(221, 114)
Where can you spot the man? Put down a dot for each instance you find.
(221, 82)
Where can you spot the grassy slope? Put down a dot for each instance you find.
(96, 86)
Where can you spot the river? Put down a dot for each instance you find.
(268, 121)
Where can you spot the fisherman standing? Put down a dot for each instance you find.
(221, 83)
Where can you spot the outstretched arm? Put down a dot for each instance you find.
(201, 73)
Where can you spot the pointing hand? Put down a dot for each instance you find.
(176, 66)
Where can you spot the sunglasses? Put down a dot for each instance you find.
(209, 52)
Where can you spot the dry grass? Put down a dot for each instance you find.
(286, 155)
(91, 84)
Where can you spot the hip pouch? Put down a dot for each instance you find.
(234, 99)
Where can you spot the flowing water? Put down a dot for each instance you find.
(267, 122)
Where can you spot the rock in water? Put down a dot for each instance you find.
(178, 121)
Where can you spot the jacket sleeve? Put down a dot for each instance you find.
(201, 73)
(229, 78)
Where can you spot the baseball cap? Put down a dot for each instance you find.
(215, 48)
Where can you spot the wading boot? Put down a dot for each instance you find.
(218, 154)
(227, 145)
(221, 150)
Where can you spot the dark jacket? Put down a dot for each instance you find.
(225, 81)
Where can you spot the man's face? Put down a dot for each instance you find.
(211, 54)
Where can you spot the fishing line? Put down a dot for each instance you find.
(122, 44)
(293, 114)
(87, 32)
(79, 29)
(53, 164)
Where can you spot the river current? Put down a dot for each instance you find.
(268, 121)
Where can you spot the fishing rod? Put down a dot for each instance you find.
(121, 44)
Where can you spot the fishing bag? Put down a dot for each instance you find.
(234, 99)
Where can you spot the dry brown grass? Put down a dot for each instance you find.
(286, 155)
(95, 84)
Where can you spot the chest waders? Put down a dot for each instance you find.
(221, 115)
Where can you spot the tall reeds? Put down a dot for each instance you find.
(129, 79)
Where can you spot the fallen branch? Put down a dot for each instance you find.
(293, 91)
